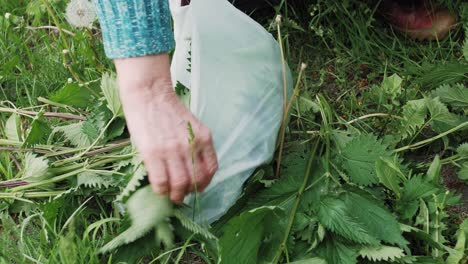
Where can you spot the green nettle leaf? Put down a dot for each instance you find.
(310, 261)
(146, 210)
(97, 180)
(13, 128)
(306, 104)
(442, 119)
(423, 218)
(334, 214)
(413, 190)
(433, 174)
(35, 168)
(282, 192)
(359, 157)
(164, 234)
(463, 172)
(377, 220)
(453, 95)
(89, 130)
(462, 150)
(392, 85)
(417, 188)
(388, 175)
(38, 132)
(381, 253)
(74, 133)
(457, 254)
(193, 227)
(116, 129)
(110, 89)
(138, 174)
(73, 95)
(252, 237)
(334, 251)
(414, 115)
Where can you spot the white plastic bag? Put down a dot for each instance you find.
(233, 68)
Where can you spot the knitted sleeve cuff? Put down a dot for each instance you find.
(133, 28)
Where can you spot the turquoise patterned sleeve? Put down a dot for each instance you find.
(133, 28)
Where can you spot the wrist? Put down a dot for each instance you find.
(147, 76)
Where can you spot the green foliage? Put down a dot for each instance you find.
(335, 251)
(458, 253)
(359, 157)
(453, 95)
(414, 115)
(368, 182)
(36, 168)
(72, 94)
(252, 236)
(78, 134)
(110, 89)
(38, 131)
(97, 180)
(388, 175)
(147, 211)
(13, 128)
(193, 227)
(381, 253)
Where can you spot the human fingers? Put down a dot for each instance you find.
(179, 179)
(206, 159)
(157, 175)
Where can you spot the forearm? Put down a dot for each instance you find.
(134, 28)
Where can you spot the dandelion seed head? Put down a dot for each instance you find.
(80, 13)
(278, 19)
(65, 52)
(70, 80)
(303, 66)
(7, 16)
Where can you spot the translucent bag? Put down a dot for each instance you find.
(233, 69)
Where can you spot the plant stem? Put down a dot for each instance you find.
(285, 117)
(15, 149)
(66, 175)
(372, 115)
(429, 140)
(46, 114)
(30, 194)
(57, 24)
(296, 203)
(80, 155)
(285, 94)
(53, 28)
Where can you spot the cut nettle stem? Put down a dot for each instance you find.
(429, 140)
(285, 118)
(45, 114)
(292, 214)
(84, 168)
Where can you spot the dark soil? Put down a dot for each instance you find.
(453, 183)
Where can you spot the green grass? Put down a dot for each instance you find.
(349, 49)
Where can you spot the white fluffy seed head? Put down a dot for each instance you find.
(278, 19)
(70, 80)
(7, 16)
(303, 66)
(80, 13)
(65, 52)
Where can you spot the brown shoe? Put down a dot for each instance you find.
(420, 22)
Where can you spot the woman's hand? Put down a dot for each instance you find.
(158, 123)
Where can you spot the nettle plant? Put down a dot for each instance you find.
(346, 196)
